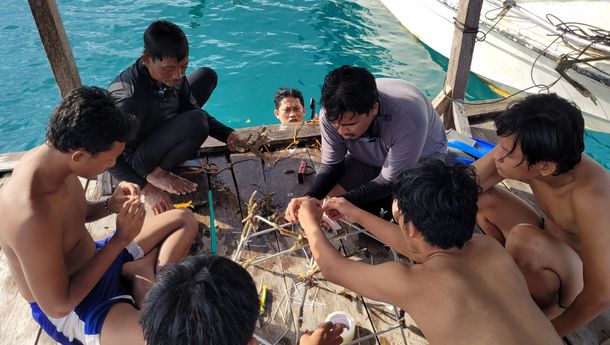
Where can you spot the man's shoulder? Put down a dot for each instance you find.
(126, 83)
(591, 182)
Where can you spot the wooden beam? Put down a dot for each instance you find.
(56, 45)
(9, 160)
(441, 102)
(489, 107)
(464, 38)
(460, 119)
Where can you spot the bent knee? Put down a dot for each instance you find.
(188, 218)
(526, 242)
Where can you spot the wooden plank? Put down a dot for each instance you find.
(279, 136)
(44, 339)
(56, 44)
(489, 108)
(460, 121)
(596, 332)
(4, 176)
(485, 131)
(462, 47)
(281, 176)
(322, 298)
(441, 102)
(16, 326)
(106, 182)
(227, 209)
(277, 323)
(9, 160)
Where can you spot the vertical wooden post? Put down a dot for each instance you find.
(56, 45)
(464, 38)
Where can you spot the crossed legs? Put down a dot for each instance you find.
(165, 239)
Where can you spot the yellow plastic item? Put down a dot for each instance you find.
(263, 298)
(184, 204)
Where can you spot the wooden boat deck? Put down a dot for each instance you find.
(284, 275)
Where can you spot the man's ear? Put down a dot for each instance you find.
(412, 231)
(375, 109)
(276, 113)
(252, 341)
(547, 168)
(146, 60)
(79, 155)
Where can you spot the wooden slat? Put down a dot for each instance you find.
(107, 183)
(227, 209)
(489, 108)
(596, 332)
(44, 339)
(279, 136)
(281, 176)
(56, 44)
(249, 176)
(462, 47)
(460, 120)
(17, 326)
(9, 160)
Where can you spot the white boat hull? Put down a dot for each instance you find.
(504, 61)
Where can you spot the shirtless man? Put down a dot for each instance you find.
(211, 300)
(540, 142)
(466, 290)
(72, 283)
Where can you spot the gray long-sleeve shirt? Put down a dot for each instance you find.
(409, 129)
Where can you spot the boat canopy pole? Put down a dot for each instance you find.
(464, 38)
(56, 44)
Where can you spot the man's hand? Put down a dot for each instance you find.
(129, 220)
(310, 214)
(327, 333)
(340, 208)
(121, 194)
(293, 209)
(232, 141)
(158, 200)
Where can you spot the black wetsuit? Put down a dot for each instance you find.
(172, 125)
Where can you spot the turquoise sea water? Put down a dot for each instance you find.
(255, 47)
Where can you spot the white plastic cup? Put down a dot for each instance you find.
(349, 328)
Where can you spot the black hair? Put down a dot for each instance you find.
(204, 300)
(88, 118)
(348, 89)
(163, 39)
(549, 129)
(287, 92)
(440, 200)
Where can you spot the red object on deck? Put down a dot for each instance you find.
(302, 169)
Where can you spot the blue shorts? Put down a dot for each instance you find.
(83, 325)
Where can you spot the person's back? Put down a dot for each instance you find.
(480, 297)
(465, 290)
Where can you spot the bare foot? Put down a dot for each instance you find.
(141, 274)
(169, 182)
